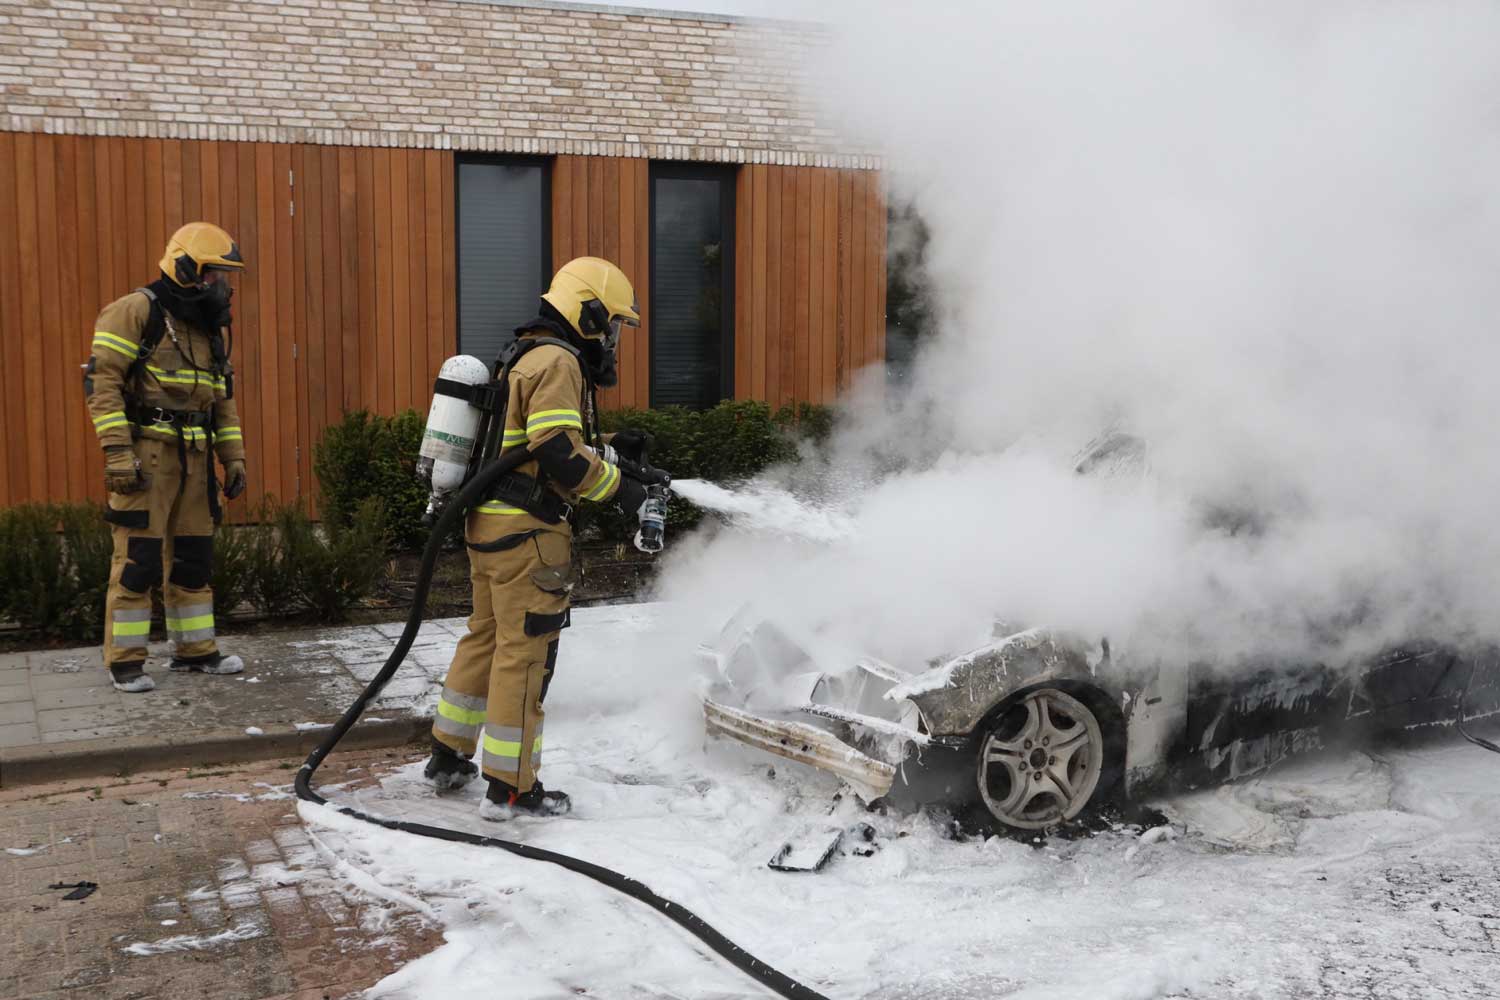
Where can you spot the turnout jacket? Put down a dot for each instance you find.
(548, 410)
(178, 375)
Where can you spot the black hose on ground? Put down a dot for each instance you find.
(691, 922)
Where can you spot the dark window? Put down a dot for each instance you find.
(908, 299)
(503, 251)
(692, 285)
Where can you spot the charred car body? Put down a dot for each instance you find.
(1036, 728)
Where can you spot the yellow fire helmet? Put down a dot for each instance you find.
(196, 247)
(595, 297)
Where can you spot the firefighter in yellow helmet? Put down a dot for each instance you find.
(520, 541)
(160, 390)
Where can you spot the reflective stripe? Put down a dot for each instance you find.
(457, 730)
(117, 344)
(191, 622)
(548, 419)
(496, 507)
(229, 434)
(607, 482)
(196, 378)
(132, 614)
(105, 421)
(132, 628)
(502, 746)
(190, 433)
(513, 437)
(466, 716)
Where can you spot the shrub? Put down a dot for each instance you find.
(232, 558)
(338, 566)
(367, 455)
(270, 578)
(55, 568)
(729, 443)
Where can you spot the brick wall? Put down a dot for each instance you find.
(462, 74)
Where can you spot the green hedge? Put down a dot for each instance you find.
(373, 456)
(292, 565)
(367, 456)
(55, 568)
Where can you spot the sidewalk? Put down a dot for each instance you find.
(60, 718)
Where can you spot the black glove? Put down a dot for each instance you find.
(643, 473)
(631, 495)
(633, 444)
(234, 478)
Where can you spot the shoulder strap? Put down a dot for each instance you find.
(151, 333)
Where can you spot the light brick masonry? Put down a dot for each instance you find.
(485, 75)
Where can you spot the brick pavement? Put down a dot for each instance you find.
(218, 857)
(59, 716)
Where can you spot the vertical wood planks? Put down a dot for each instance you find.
(350, 296)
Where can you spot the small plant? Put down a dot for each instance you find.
(368, 455)
(232, 558)
(338, 566)
(55, 568)
(270, 576)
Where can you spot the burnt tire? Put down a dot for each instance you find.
(1047, 757)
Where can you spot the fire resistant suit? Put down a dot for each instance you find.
(169, 408)
(520, 546)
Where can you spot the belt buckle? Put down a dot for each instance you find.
(164, 416)
(567, 510)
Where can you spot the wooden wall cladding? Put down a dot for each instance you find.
(809, 281)
(349, 300)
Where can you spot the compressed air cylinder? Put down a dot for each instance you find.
(452, 425)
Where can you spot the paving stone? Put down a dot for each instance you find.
(60, 719)
(102, 693)
(14, 692)
(94, 677)
(17, 712)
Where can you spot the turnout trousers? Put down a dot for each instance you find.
(492, 697)
(163, 537)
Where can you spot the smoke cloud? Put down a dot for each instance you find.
(1258, 243)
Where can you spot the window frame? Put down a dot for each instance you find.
(727, 174)
(544, 278)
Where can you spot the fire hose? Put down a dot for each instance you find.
(471, 494)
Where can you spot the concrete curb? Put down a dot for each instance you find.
(118, 756)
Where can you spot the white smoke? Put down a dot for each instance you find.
(1261, 237)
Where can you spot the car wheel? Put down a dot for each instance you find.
(1040, 760)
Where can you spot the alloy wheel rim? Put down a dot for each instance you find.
(1040, 763)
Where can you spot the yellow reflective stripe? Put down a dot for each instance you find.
(508, 748)
(129, 353)
(516, 436)
(606, 483)
(133, 628)
(496, 507)
(465, 716)
(112, 415)
(191, 433)
(195, 378)
(228, 434)
(190, 624)
(115, 343)
(547, 419)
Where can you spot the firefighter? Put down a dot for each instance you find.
(160, 390)
(520, 541)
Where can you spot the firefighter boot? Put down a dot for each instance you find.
(447, 769)
(131, 678)
(501, 801)
(213, 663)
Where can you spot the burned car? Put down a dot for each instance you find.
(1036, 728)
